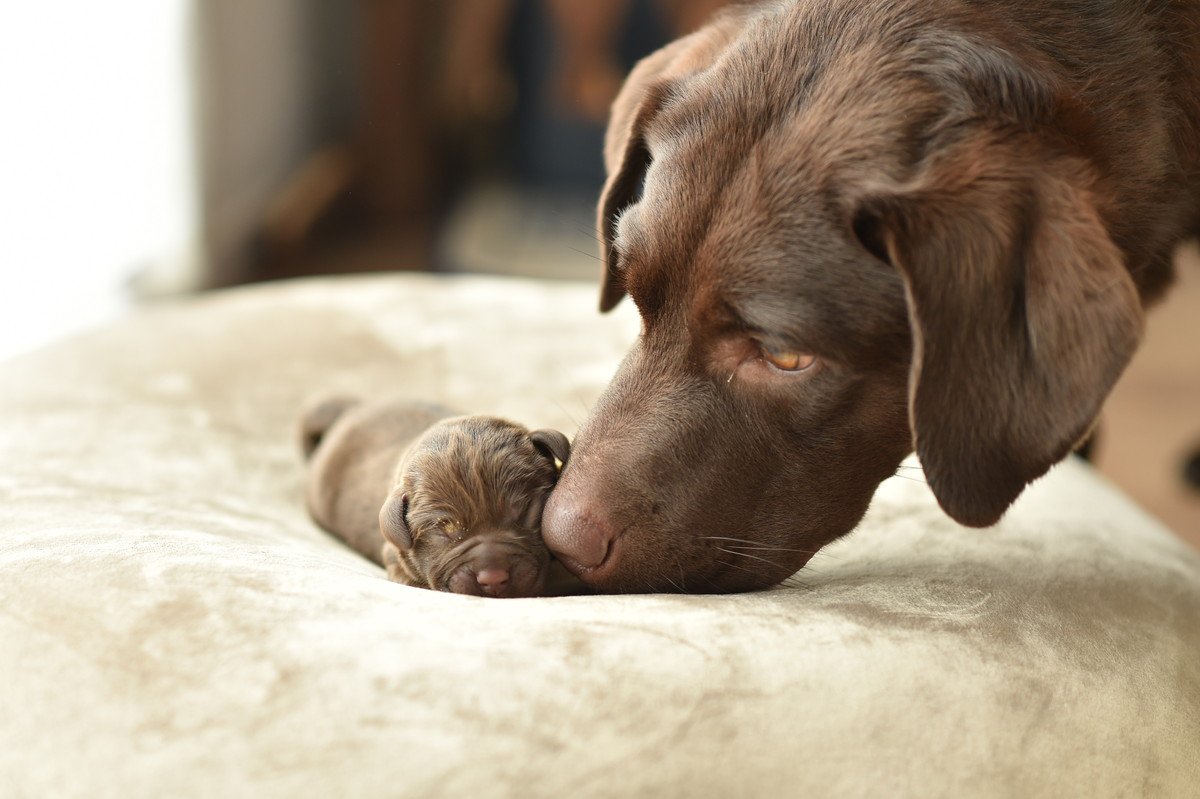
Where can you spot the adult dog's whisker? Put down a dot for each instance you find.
(752, 557)
(755, 546)
(740, 568)
(727, 538)
(574, 389)
(591, 234)
(588, 254)
(795, 584)
(585, 228)
(773, 549)
(568, 414)
(682, 578)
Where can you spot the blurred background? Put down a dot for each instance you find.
(167, 146)
(155, 148)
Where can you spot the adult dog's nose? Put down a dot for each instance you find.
(576, 530)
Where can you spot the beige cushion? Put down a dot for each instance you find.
(172, 624)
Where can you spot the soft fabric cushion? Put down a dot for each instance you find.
(173, 624)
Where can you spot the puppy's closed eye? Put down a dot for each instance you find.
(450, 529)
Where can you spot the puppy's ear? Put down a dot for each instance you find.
(552, 444)
(626, 156)
(1022, 311)
(393, 521)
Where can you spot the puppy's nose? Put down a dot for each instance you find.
(576, 531)
(492, 580)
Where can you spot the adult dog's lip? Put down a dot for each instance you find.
(573, 566)
(583, 572)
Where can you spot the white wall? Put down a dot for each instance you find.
(142, 140)
(97, 178)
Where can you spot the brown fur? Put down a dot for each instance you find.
(961, 209)
(442, 501)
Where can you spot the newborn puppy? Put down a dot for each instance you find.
(442, 501)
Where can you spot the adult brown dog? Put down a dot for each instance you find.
(858, 227)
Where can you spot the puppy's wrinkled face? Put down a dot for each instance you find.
(465, 513)
(504, 560)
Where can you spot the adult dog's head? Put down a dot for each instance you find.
(849, 233)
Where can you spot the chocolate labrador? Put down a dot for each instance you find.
(855, 228)
(442, 501)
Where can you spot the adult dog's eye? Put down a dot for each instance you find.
(787, 360)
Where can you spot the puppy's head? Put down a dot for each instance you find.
(466, 508)
(847, 237)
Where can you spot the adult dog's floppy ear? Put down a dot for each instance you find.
(1022, 311)
(552, 444)
(393, 521)
(626, 156)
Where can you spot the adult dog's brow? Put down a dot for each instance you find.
(771, 321)
(817, 325)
